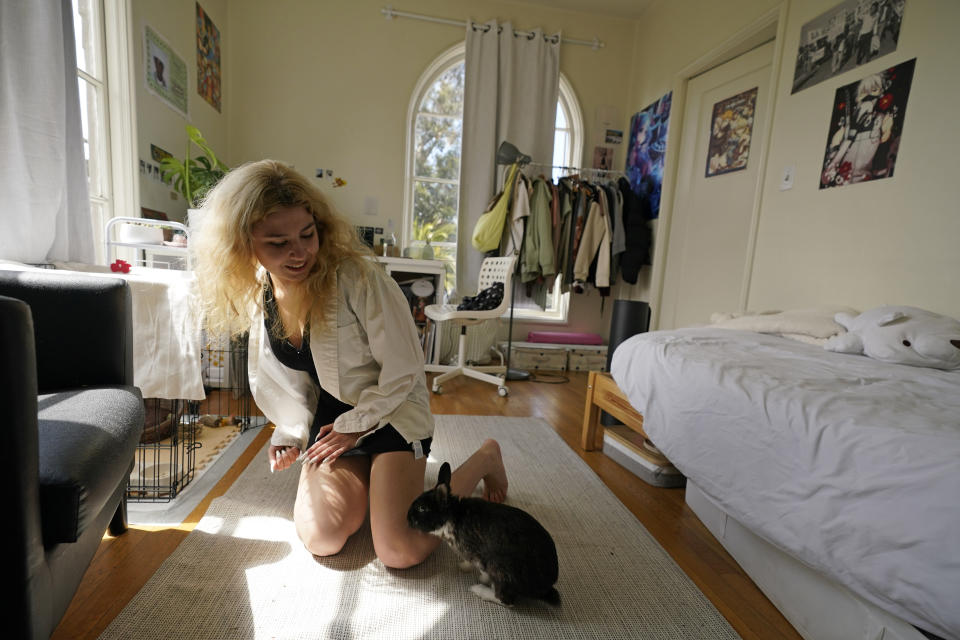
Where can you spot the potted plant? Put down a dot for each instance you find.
(192, 177)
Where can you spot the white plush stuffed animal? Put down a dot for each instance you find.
(903, 335)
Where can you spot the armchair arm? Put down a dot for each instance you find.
(83, 327)
(19, 459)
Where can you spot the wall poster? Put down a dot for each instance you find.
(645, 154)
(851, 34)
(865, 127)
(208, 59)
(731, 129)
(166, 72)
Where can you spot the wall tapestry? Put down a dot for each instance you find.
(852, 33)
(865, 127)
(648, 142)
(730, 132)
(166, 72)
(208, 59)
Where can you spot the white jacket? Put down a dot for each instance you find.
(369, 357)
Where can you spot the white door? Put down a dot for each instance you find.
(710, 226)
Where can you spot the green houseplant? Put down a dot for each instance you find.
(192, 177)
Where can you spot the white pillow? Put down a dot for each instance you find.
(817, 322)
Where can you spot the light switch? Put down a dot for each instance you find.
(786, 180)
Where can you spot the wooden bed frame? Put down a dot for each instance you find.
(603, 394)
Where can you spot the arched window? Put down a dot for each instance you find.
(432, 172)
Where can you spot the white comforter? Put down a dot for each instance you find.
(849, 464)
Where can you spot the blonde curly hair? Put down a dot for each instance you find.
(222, 247)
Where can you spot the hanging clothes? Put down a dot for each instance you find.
(512, 239)
(639, 237)
(538, 258)
(595, 243)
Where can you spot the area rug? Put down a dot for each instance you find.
(242, 573)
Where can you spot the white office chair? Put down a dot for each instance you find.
(492, 270)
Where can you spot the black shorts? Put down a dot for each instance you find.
(382, 440)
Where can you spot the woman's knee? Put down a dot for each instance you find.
(323, 537)
(403, 553)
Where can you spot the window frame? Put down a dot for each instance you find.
(567, 100)
(118, 189)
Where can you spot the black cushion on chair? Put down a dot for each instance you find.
(488, 299)
(81, 434)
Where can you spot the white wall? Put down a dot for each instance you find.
(328, 85)
(891, 241)
(888, 241)
(160, 124)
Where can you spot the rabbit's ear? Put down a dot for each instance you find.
(444, 476)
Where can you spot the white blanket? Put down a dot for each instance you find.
(166, 328)
(849, 464)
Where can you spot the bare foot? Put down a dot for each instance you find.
(495, 480)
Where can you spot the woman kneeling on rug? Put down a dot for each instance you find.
(334, 358)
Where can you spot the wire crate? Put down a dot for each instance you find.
(168, 453)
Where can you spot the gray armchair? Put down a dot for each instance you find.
(67, 445)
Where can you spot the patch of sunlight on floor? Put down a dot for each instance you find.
(210, 524)
(264, 528)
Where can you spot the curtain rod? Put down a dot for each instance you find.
(390, 14)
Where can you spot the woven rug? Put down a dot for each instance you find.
(242, 573)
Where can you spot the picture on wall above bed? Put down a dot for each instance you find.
(648, 144)
(731, 129)
(865, 127)
(851, 34)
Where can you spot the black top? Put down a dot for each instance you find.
(300, 359)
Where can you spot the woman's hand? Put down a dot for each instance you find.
(282, 457)
(331, 444)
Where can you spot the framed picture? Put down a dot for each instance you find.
(731, 129)
(164, 71)
(865, 127)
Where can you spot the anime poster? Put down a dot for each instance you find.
(648, 143)
(166, 72)
(208, 59)
(865, 127)
(852, 33)
(731, 129)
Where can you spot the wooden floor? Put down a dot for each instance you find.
(123, 564)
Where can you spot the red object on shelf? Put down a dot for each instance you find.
(564, 337)
(121, 266)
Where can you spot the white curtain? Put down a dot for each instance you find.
(510, 94)
(44, 205)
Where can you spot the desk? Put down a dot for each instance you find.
(406, 270)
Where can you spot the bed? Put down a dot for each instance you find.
(833, 479)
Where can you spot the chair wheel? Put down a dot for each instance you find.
(503, 392)
(437, 389)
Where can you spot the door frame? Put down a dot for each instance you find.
(747, 38)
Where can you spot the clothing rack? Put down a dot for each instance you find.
(581, 170)
(390, 14)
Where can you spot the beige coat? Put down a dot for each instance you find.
(370, 357)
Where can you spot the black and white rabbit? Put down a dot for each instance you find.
(515, 555)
